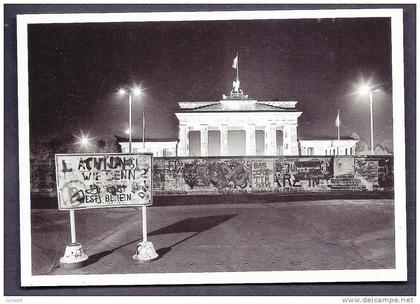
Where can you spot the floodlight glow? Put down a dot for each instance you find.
(128, 131)
(136, 91)
(122, 92)
(364, 89)
(84, 140)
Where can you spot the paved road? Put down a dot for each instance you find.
(252, 236)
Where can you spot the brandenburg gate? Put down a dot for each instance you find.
(239, 112)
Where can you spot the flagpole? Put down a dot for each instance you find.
(339, 132)
(338, 124)
(237, 66)
(144, 131)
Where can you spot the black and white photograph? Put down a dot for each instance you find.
(218, 147)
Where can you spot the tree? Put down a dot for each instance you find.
(101, 145)
(108, 145)
(381, 150)
(355, 136)
(38, 150)
(112, 144)
(387, 144)
(362, 147)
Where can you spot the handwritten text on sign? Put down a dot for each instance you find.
(103, 180)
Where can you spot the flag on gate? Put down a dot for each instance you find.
(235, 62)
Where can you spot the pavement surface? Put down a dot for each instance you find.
(234, 236)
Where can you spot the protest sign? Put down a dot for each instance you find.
(103, 180)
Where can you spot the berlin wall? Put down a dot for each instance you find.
(271, 174)
(225, 175)
(43, 178)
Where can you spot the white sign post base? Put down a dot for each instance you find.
(145, 252)
(74, 256)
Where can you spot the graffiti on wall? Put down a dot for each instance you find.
(107, 180)
(262, 178)
(230, 175)
(223, 175)
(202, 175)
(43, 178)
(217, 175)
(375, 172)
(302, 174)
(168, 175)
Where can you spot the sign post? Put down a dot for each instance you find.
(145, 250)
(110, 180)
(74, 255)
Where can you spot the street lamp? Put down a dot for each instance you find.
(84, 141)
(129, 92)
(365, 89)
(145, 250)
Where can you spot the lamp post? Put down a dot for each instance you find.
(129, 93)
(145, 250)
(144, 132)
(367, 90)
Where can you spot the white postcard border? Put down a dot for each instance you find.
(397, 274)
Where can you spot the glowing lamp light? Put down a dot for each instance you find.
(364, 89)
(136, 91)
(131, 91)
(128, 131)
(84, 140)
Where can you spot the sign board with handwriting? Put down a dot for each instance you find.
(103, 180)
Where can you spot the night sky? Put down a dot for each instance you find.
(76, 69)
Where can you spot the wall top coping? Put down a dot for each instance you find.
(327, 140)
(148, 142)
(242, 157)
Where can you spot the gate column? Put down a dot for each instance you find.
(204, 140)
(183, 148)
(224, 143)
(251, 147)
